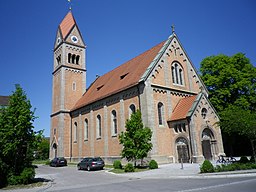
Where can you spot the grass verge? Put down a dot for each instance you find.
(120, 171)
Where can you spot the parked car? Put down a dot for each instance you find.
(91, 163)
(58, 162)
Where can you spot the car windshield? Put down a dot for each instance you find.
(97, 159)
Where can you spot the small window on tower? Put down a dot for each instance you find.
(69, 57)
(73, 58)
(74, 86)
(77, 59)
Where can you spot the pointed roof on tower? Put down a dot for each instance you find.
(67, 24)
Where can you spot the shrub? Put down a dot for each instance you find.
(243, 159)
(235, 166)
(153, 164)
(117, 164)
(128, 168)
(3, 173)
(47, 162)
(207, 167)
(26, 177)
(218, 168)
(252, 160)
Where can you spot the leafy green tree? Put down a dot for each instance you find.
(42, 151)
(238, 120)
(230, 80)
(17, 137)
(136, 140)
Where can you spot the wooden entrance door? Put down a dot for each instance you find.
(183, 153)
(207, 152)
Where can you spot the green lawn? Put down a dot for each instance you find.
(118, 171)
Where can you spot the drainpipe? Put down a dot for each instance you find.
(70, 138)
(138, 88)
(190, 141)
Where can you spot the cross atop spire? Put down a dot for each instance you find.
(70, 4)
(173, 28)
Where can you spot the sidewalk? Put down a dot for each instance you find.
(188, 171)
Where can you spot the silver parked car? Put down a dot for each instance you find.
(91, 163)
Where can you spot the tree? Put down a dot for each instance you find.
(17, 137)
(238, 120)
(42, 151)
(136, 140)
(230, 80)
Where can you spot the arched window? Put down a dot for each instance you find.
(160, 109)
(204, 113)
(132, 109)
(173, 75)
(58, 59)
(98, 126)
(77, 59)
(69, 57)
(180, 127)
(73, 58)
(114, 123)
(86, 130)
(75, 132)
(181, 76)
(177, 74)
(74, 86)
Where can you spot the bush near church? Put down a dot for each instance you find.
(207, 167)
(243, 164)
(129, 168)
(243, 159)
(117, 164)
(153, 164)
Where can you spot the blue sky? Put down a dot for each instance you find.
(114, 31)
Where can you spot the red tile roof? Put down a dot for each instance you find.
(182, 108)
(67, 24)
(119, 79)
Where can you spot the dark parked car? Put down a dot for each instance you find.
(58, 162)
(91, 163)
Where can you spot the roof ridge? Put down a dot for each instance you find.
(136, 57)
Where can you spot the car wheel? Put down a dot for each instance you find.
(88, 168)
(79, 167)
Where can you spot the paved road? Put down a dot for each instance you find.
(174, 185)
(167, 178)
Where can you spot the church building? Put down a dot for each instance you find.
(161, 82)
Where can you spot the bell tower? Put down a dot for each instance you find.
(68, 83)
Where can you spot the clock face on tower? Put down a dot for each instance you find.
(74, 39)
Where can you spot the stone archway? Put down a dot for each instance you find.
(182, 150)
(208, 144)
(54, 147)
